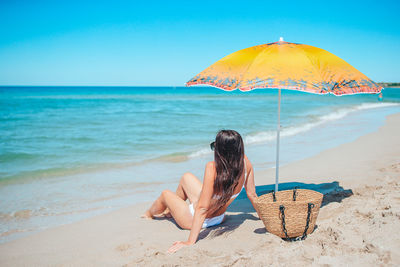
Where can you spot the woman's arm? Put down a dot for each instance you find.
(250, 185)
(201, 209)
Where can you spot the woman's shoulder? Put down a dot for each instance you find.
(210, 167)
(210, 171)
(249, 166)
(210, 164)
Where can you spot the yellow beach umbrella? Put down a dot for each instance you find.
(284, 65)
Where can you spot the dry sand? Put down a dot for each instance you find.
(358, 224)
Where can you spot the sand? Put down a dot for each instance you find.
(358, 224)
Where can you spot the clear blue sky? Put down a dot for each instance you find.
(168, 42)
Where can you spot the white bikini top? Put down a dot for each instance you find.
(245, 177)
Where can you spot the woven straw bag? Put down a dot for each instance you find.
(290, 213)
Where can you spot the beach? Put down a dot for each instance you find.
(70, 153)
(358, 223)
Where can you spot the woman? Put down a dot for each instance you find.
(224, 179)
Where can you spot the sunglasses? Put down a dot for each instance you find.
(212, 145)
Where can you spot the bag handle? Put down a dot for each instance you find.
(295, 193)
(273, 195)
(282, 210)
(310, 206)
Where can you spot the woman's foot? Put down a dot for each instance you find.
(167, 213)
(147, 215)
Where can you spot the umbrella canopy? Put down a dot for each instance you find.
(288, 66)
(285, 65)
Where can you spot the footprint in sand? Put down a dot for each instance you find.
(384, 256)
(396, 167)
(368, 215)
(123, 247)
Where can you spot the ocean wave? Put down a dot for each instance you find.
(26, 214)
(267, 136)
(13, 231)
(16, 215)
(201, 152)
(255, 138)
(54, 173)
(173, 157)
(12, 156)
(47, 173)
(294, 130)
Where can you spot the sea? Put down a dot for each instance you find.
(69, 153)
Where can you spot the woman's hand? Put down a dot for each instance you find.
(178, 245)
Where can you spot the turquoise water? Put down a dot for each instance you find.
(70, 152)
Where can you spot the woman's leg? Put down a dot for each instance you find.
(178, 208)
(189, 187)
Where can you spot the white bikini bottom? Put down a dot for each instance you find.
(208, 222)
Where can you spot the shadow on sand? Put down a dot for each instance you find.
(333, 192)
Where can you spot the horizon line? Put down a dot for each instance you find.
(388, 83)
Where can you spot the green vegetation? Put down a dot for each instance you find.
(386, 85)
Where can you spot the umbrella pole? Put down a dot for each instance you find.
(277, 142)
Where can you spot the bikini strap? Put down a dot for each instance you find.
(245, 178)
(245, 171)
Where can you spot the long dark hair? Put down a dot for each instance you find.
(229, 164)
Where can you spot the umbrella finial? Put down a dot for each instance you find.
(280, 39)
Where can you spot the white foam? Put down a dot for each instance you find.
(267, 136)
(260, 137)
(375, 105)
(201, 152)
(293, 130)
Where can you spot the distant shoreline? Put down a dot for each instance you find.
(390, 85)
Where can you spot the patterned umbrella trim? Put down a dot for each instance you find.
(342, 91)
